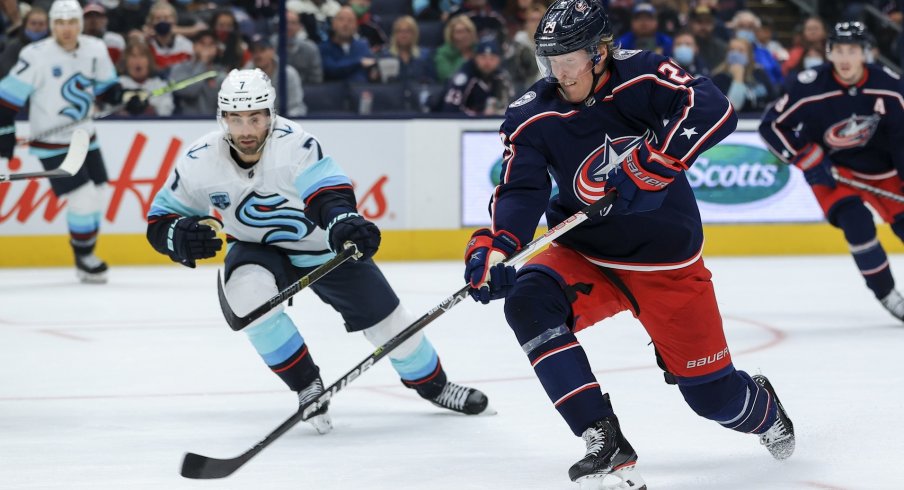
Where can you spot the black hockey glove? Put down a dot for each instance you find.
(136, 101)
(488, 277)
(352, 227)
(7, 141)
(641, 180)
(190, 239)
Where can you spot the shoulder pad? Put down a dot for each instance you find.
(807, 76)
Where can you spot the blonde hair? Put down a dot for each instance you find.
(161, 5)
(455, 21)
(405, 21)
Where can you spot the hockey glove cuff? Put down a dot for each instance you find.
(816, 167)
(190, 239)
(352, 227)
(136, 101)
(7, 141)
(642, 180)
(488, 277)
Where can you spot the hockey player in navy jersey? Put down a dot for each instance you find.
(848, 115)
(287, 206)
(630, 122)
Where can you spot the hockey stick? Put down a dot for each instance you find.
(75, 158)
(171, 87)
(204, 467)
(866, 187)
(239, 322)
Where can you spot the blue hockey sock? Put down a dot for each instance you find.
(280, 345)
(860, 232)
(83, 229)
(422, 363)
(735, 401)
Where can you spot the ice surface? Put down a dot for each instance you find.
(106, 387)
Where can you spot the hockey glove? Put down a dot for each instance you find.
(816, 167)
(352, 227)
(136, 101)
(7, 141)
(641, 180)
(190, 239)
(488, 277)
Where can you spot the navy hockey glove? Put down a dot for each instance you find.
(488, 277)
(190, 239)
(7, 141)
(641, 180)
(816, 167)
(352, 227)
(136, 101)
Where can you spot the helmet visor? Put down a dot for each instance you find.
(568, 67)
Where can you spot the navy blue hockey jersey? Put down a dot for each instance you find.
(642, 96)
(860, 126)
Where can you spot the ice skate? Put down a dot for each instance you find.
(610, 460)
(90, 269)
(320, 419)
(894, 303)
(779, 439)
(458, 398)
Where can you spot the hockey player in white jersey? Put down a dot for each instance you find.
(59, 77)
(286, 208)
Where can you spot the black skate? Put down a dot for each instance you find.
(779, 439)
(458, 398)
(90, 269)
(320, 419)
(894, 303)
(610, 459)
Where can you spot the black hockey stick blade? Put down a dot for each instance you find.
(72, 163)
(237, 323)
(203, 467)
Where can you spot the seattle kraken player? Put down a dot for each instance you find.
(59, 77)
(849, 115)
(631, 122)
(287, 206)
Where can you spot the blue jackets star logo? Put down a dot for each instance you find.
(590, 178)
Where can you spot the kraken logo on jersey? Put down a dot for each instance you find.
(288, 224)
(590, 178)
(851, 132)
(73, 91)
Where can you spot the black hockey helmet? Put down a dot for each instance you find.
(570, 25)
(849, 33)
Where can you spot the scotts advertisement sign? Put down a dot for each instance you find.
(140, 156)
(736, 181)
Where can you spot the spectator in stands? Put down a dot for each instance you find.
(263, 56)
(344, 55)
(413, 64)
(199, 99)
(95, 24)
(520, 62)
(668, 18)
(764, 37)
(167, 47)
(745, 24)
(480, 87)
(532, 18)
(461, 37)
(487, 21)
(34, 27)
(233, 52)
(686, 53)
(434, 9)
(812, 37)
(368, 27)
(743, 80)
(316, 16)
(712, 49)
(304, 55)
(138, 78)
(644, 32)
(128, 16)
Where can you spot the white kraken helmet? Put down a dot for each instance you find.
(245, 90)
(65, 10)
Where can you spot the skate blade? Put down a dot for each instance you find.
(625, 477)
(488, 412)
(322, 423)
(88, 278)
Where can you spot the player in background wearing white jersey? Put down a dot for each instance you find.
(59, 77)
(287, 207)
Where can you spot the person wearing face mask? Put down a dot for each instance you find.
(34, 28)
(685, 53)
(168, 47)
(745, 24)
(812, 36)
(368, 25)
(742, 80)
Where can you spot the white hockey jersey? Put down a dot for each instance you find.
(61, 85)
(263, 204)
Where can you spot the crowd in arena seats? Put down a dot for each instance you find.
(397, 57)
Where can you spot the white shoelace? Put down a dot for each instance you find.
(595, 440)
(90, 261)
(310, 392)
(453, 396)
(894, 303)
(776, 433)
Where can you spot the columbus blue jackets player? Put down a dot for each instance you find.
(631, 122)
(850, 115)
(285, 204)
